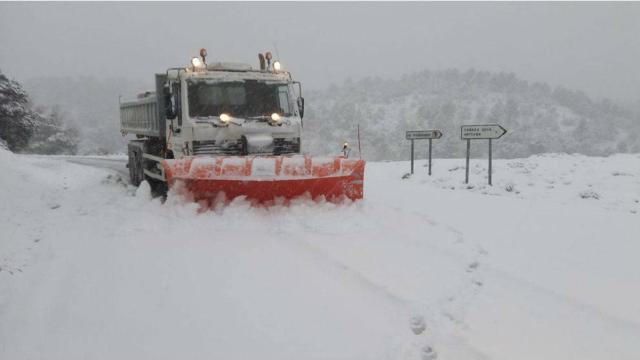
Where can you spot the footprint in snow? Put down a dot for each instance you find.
(473, 267)
(428, 353)
(457, 233)
(450, 317)
(418, 325)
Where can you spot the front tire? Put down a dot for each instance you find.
(136, 172)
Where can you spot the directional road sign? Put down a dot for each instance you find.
(423, 134)
(479, 132)
(472, 132)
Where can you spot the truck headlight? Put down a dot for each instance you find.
(276, 119)
(225, 118)
(197, 63)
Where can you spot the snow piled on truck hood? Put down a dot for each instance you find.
(422, 268)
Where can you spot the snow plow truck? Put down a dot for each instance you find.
(227, 129)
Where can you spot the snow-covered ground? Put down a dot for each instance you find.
(543, 265)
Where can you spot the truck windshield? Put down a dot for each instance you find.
(239, 99)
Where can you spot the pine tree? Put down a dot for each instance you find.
(17, 120)
(51, 136)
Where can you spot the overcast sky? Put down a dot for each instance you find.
(590, 46)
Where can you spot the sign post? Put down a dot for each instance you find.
(466, 168)
(481, 132)
(430, 140)
(422, 134)
(411, 156)
(490, 162)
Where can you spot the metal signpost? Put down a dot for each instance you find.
(480, 132)
(419, 135)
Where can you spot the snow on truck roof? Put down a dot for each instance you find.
(228, 71)
(219, 72)
(229, 66)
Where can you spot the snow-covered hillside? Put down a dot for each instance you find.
(543, 265)
(540, 119)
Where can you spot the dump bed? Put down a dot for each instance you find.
(145, 115)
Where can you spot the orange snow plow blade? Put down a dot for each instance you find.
(266, 178)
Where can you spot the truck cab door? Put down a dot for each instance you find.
(174, 115)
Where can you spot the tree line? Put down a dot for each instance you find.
(539, 118)
(25, 127)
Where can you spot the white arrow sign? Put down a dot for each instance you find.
(482, 131)
(423, 134)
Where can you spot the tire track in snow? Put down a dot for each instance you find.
(563, 299)
(344, 268)
(453, 306)
(453, 303)
(418, 347)
(119, 166)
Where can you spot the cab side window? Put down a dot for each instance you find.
(283, 99)
(177, 102)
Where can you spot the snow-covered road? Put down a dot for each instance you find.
(118, 164)
(542, 265)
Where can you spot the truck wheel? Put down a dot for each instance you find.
(158, 188)
(136, 174)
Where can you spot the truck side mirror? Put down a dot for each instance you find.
(168, 107)
(168, 104)
(301, 106)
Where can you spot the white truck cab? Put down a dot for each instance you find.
(231, 109)
(211, 110)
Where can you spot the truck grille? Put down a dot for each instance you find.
(210, 147)
(286, 146)
(281, 146)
